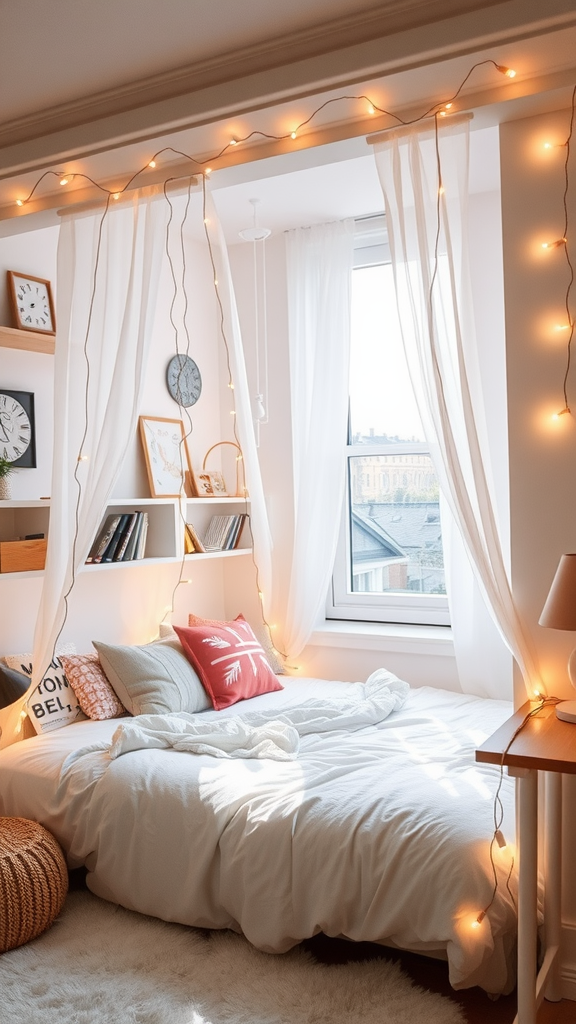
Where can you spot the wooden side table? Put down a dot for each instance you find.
(545, 744)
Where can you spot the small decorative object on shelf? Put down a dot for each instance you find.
(6, 468)
(211, 483)
(166, 455)
(32, 304)
(17, 433)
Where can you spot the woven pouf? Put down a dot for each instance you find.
(33, 881)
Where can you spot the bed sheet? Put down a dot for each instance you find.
(379, 835)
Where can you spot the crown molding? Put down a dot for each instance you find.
(392, 17)
(232, 84)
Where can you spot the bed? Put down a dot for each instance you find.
(378, 832)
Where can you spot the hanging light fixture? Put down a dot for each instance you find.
(256, 235)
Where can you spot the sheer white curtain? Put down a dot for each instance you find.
(319, 271)
(108, 267)
(230, 331)
(424, 178)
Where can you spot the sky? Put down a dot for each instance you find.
(380, 391)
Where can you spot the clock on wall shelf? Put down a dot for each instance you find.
(34, 323)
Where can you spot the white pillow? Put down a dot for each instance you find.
(153, 679)
(52, 704)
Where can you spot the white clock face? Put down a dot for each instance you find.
(33, 304)
(15, 429)
(184, 380)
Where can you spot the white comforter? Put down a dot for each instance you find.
(381, 833)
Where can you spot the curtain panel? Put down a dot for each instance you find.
(319, 269)
(423, 172)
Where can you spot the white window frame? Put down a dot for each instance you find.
(394, 606)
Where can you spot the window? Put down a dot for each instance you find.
(389, 566)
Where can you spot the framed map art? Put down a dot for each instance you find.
(166, 455)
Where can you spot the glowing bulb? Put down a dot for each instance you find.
(479, 919)
(152, 163)
(115, 195)
(547, 145)
(562, 327)
(238, 458)
(441, 190)
(82, 458)
(260, 595)
(231, 386)
(447, 106)
(562, 412)
(19, 202)
(555, 244)
(371, 109)
(509, 72)
(499, 837)
(232, 412)
(233, 142)
(63, 181)
(292, 135)
(443, 113)
(206, 220)
(208, 171)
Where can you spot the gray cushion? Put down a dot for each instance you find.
(153, 679)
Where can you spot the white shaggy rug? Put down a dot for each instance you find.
(101, 964)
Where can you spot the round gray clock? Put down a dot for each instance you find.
(183, 380)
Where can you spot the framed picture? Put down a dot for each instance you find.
(166, 455)
(32, 303)
(218, 483)
(17, 428)
(203, 485)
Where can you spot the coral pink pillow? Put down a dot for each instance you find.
(93, 691)
(229, 660)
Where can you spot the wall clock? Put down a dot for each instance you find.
(17, 430)
(32, 305)
(183, 380)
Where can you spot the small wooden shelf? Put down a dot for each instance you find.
(28, 341)
(197, 555)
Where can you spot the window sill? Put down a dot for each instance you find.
(394, 637)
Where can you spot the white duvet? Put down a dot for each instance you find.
(378, 830)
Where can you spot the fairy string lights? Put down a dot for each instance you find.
(563, 242)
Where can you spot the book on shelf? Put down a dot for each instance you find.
(192, 542)
(103, 538)
(132, 541)
(223, 532)
(122, 538)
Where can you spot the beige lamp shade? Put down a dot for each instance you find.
(559, 612)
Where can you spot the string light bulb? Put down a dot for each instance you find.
(500, 839)
(555, 244)
(509, 72)
(479, 919)
(371, 108)
(562, 412)
(233, 142)
(63, 181)
(152, 164)
(292, 135)
(19, 202)
(208, 171)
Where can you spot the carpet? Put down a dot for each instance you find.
(101, 963)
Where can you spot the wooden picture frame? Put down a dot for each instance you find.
(31, 302)
(166, 455)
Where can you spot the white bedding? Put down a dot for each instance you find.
(379, 834)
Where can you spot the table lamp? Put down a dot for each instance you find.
(559, 612)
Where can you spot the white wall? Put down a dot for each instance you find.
(542, 451)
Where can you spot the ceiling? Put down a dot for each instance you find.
(97, 88)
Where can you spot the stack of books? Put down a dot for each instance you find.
(223, 533)
(121, 538)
